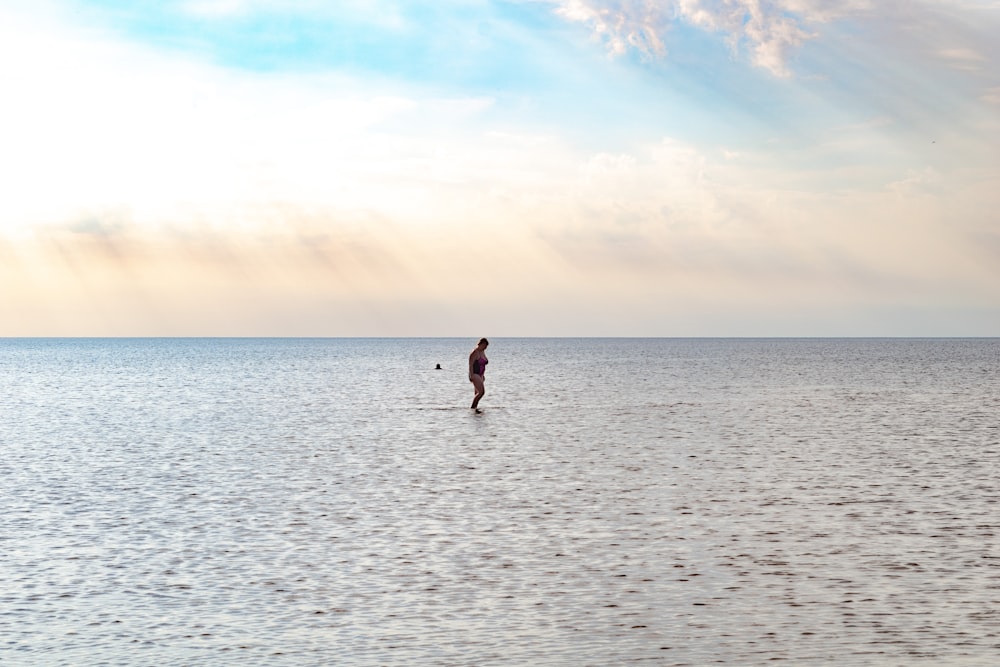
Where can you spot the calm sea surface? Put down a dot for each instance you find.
(335, 502)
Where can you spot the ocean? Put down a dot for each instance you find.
(617, 501)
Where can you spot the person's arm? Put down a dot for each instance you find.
(472, 360)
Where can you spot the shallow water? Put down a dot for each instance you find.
(668, 502)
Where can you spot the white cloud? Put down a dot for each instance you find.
(914, 38)
(623, 25)
(765, 28)
(965, 59)
(822, 11)
(992, 96)
(769, 31)
(93, 124)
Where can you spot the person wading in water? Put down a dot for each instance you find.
(477, 368)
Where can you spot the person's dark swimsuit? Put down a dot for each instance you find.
(479, 366)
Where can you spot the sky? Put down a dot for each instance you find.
(500, 168)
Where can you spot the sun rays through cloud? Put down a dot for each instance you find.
(596, 167)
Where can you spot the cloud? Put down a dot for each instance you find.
(769, 30)
(992, 96)
(91, 123)
(177, 197)
(963, 59)
(624, 25)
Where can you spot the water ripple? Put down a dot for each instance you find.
(617, 502)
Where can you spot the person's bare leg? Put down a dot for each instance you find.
(477, 382)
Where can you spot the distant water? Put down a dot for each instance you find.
(664, 502)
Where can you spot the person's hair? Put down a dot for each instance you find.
(483, 340)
